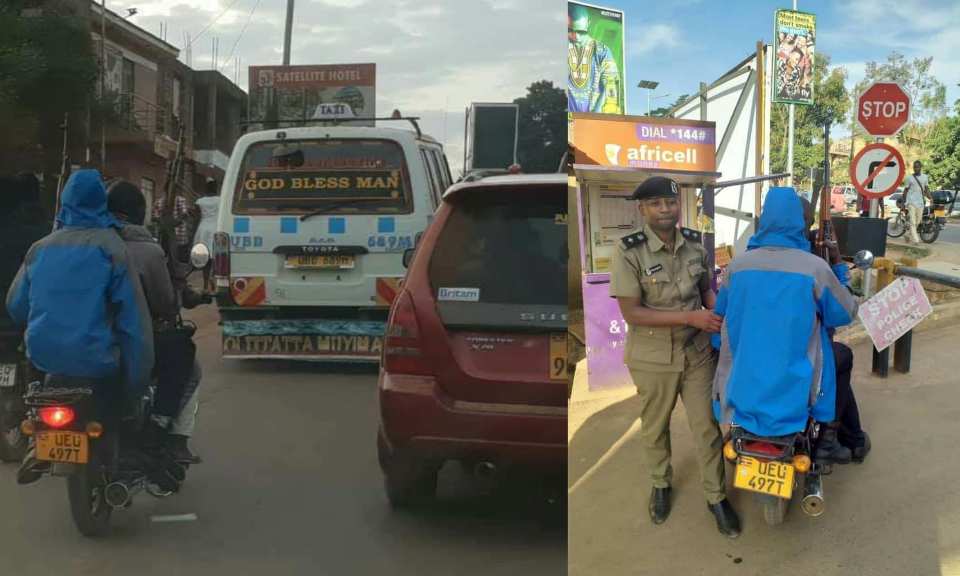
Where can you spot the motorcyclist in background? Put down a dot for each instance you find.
(177, 366)
(82, 304)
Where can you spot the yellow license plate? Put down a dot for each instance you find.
(764, 476)
(558, 357)
(939, 212)
(61, 446)
(338, 262)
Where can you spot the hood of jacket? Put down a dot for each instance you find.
(781, 222)
(84, 202)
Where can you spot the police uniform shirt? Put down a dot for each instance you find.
(643, 267)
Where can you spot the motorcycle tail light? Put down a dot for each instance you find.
(764, 448)
(57, 416)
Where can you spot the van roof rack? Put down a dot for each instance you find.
(304, 122)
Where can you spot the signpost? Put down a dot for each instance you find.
(877, 170)
(894, 311)
(883, 109)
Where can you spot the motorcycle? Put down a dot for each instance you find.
(778, 468)
(80, 431)
(15, 372)
(933, 221)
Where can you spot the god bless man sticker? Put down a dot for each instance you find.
(459, 294)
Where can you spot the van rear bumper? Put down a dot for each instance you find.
(303, 339)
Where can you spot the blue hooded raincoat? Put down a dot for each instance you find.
(83, 307)
(778, 301)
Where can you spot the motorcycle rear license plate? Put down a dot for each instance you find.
(939, 212)
(8, 375)
(62, 446)
(764, 476)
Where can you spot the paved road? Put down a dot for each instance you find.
(896, 514)
(290, 486)
(950, 234)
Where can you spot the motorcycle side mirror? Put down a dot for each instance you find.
(863, 259)
(199, 256)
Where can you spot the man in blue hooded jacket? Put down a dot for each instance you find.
(779, 300)
(82, 305)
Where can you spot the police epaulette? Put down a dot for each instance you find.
(633, 240)
(690, 234)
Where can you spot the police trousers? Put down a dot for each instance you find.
(659, 392)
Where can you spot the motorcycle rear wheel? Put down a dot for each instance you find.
(929, 233)
(896, 227)
(13, 443)
(88, 505)
(774, 509)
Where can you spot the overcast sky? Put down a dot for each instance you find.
(433, 57)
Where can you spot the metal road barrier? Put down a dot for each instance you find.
(887, 270)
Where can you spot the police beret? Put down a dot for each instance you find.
(656, 187)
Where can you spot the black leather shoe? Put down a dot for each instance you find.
(829, 449)
(860, 452)
(659, 505)
(728, 523)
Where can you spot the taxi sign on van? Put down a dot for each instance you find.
(333, 111)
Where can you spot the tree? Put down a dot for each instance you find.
(928, 96)
(47, 69)
(831, 102)
(664, 111)
(542, 138)
(944, 146)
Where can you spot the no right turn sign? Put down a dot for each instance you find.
(877, 170)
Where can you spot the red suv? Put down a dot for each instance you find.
(474, 359)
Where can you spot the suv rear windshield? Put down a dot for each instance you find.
(347, 175)
(503, 254)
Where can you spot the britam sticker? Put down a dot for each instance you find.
(459, 294)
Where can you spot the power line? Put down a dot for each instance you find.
(240, 36)
(212, 22)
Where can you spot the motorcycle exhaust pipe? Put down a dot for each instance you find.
(485, 470)
(117, 495)
(812, 503)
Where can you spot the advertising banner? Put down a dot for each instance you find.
(292, 93)
(645, 143)
(794, 37)
(595, 60)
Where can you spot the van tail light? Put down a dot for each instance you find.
(57, 416)
(221, 259)
(402, 346)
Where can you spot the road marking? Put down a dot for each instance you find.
(175, 518)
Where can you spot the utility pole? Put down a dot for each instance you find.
(103, 85)
(790, 132)
(288, 32)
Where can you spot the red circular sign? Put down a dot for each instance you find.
(883, 109)
(867, 166)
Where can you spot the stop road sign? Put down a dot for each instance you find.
(877, 170)
(883, 109)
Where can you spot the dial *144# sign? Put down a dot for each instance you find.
(893, 311)
(877, 170)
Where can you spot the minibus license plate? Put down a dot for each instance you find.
(325, 262)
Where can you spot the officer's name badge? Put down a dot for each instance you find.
(653, 270)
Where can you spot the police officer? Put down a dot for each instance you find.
(660, 278)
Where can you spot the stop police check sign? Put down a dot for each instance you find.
(877, 170)
(893, 311)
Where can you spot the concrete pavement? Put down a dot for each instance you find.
(290, 485)
(896, 514)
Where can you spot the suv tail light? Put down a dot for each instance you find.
(221, 259)
(402, 347)
(57, 416)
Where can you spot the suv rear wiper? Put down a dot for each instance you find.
(336, 205)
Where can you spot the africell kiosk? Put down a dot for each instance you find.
(612, 156)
